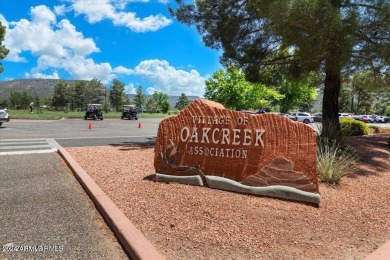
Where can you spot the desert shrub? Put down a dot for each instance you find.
(334, 159)
(333, 162)
(374, 129)
(350, 126)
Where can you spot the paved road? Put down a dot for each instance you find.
(77, 133)
(44, 212)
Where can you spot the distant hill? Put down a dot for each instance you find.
(40, 87)
(45, 88)
(172, 99)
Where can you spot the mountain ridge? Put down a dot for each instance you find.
(45, 88)
(40, 87)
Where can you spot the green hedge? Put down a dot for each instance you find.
(350, 126)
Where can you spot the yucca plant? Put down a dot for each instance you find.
(334, 159)
(333, 162)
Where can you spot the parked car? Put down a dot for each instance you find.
(366, 119)
(293, 118)
(93, 112)
(4, 116)
(371, 118)
(379, 119)
(129, 112)
(317, 117)
(303, 117)
(345, 115)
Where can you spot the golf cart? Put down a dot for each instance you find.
(129, 112)
(94, 112)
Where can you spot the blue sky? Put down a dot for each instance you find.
(134, 41)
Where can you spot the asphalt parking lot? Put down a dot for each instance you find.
(45, 213)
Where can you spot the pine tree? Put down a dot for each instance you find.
(182, 102)
(330, 37)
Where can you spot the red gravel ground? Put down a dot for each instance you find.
(187, 222)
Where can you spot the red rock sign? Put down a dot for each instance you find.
(261, 154)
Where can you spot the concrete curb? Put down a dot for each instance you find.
(132, 240)
(382, 253)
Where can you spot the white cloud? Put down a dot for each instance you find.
(121, 4)
(60, 9)
(170, 80)
(122, 70)
(82, 68)
(39, 75)
(150, 90)
(130, 89)
(98, 10)
(41, 14)
(58, 45)
(44, 37)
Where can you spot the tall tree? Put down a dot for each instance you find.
(151, 104)
(78, 90)
(162, 101)
(365, 92)
(94, 91)
(3, 50)
(182, 102)
(231, 89)
(296, 92)
(328, 36)
(61, 94)
(20, 99)
(140, 99)
(117, 94)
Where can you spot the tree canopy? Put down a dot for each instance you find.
(231, 89)
(117, 94)
(327, 36)
(3, 50)
(366, 92)
(139, 99)
(61, 95)
(182, 102)
(162, 101)
(77, 94)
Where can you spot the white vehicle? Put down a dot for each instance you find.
(302, 117)
(371, 118)
(4, 116)
(379, 119)
(345, 115)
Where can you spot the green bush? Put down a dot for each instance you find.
(350, 126)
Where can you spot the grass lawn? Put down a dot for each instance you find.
(52, 115)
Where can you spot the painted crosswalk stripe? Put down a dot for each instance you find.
(27, 146)
(27, 152)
